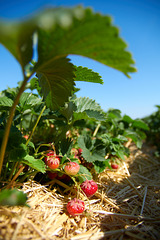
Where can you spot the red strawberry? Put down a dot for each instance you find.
(89, 187)
(72, 168)
(114, 166)
(75, 207)
(52, 161)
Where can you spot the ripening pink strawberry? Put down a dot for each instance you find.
(89, 187)
(52, 161)
(75, 207)
(72, 168)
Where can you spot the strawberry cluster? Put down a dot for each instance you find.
(69, 170)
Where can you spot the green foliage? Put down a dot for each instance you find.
(87, 75)
(12, 197)
(56, 81)
(54, 118)
(153, 121)
(84, 174)
(36, 164)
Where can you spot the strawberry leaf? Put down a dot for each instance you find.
(87, 108)
(37, 164)
(88, 154)
(85, 103)
(134, 136)
(56, 82)
(87, 75)
(5, 103)
(84, 174)
(12, 197)
(140, 124)
(101, 166)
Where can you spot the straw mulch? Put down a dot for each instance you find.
(127, 206)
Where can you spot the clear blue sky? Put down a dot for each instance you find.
(139, 24)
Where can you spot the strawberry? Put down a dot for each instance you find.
(114, 166)
(89, 187)
(72, 168)
(75, 207)
(52, 161)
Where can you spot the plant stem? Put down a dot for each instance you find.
(96, 130)
(35, 125)
(9, 122)
(13, 169)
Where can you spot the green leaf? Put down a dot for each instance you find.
(56, 80)
(140, 124)
(18, 152)
(15, 139)
(127, 119)
(86, 108)
(37, 164)
(28, 100)
(88, 114)
(31, 144)
(17, 38)
(12, 197)
(101, 166)
(85, 103)
(114, 113)
(120, 154)
(93, 36)
(120, 138)
(84, 174)
(5, 103)
(63, 31)
(87, 153)
(134, 136)
(87, 75)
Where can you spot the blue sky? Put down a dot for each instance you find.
(139, 24)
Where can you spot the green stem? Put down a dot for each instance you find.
(14, 166)
(96, 130)
(9, 122)
(34, 128)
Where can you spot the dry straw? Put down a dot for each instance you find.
(126, 206)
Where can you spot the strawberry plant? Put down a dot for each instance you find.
(53, 118)
(153, 136)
